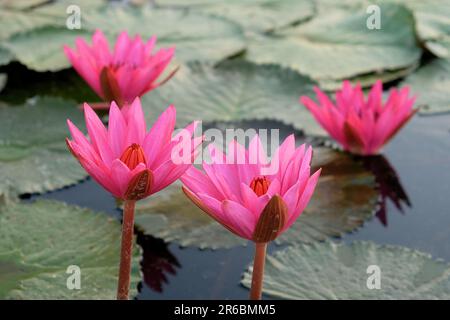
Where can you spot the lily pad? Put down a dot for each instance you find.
(234, 91)
(431, 84)
(432, 24)
(39, 241)
(339, 271)
(368, 80)
(33, 154)
(344, 198)
(5, 56)
(15, 21)
(253, 15)
(337, 44)
(196, 36)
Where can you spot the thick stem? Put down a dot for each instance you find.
(126, 250)
(258, 270)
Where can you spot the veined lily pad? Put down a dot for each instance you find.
(253, 15)
(235, 91)
(431, 84)
(344, 198)
(39, 241)
(5, 56)
(339, 271)
(368, 80)
(432, 23)
(337, 44)
(196, 36)
(33, 154)
(15, 21)
(27, 47)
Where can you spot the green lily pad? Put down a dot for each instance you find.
(234, 91)
(431, 84)
(344, 198)
(39, 241)
(368, 80)
(253, 15)
(196, 36)
(33, 154)
(339, 271)
(337, 44)
(15, 21)
(5, 56)
(27, 47)
(432, 24)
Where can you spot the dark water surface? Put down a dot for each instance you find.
(419, 157)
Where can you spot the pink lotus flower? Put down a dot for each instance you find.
(360, 125)
(240, 196)
(125, 159)
(121, 75)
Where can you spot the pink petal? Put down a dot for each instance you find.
(98, 134)
(136, 126)
(116, 131)
(160, 134)
(239, 218)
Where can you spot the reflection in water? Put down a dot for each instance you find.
(389, 185)
(157, 262)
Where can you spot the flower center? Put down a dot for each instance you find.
(260, 185)
(133, 155)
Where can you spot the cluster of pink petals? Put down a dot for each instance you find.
(224, 190)
(101, 154)
(120, 75)
(361, 125)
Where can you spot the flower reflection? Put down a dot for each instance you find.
(389, 186)
(157, 262)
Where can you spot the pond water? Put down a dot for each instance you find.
(415, 173)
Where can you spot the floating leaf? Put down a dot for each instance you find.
(368, 80)
(254, 15)
(196, 36)
(337, 44)
(344, 198)
(39, 241)
(27, 48)
(432, 24)
(235, 91)
(5, 56)
(13, 22)
(33, 154)
(339, 271)
(431, 84)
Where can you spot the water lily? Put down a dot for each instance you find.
(131, 162)
(238, 191)
(362, 125)
(124, 73)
